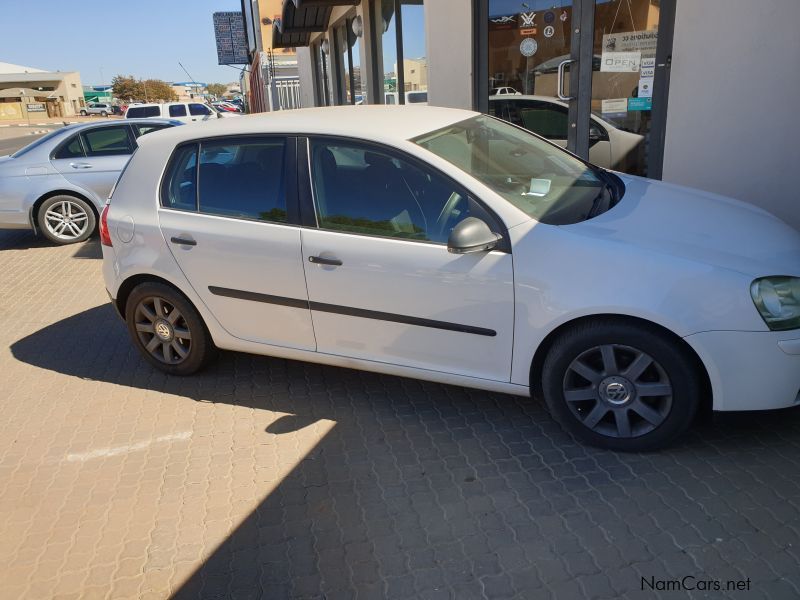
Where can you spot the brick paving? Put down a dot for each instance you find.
(267, 478)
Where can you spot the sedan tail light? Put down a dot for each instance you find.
(105, 237)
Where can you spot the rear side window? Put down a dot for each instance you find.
(243, 179)
(108, 141)
(177, 110)
(72, 148)
(198, 110)
(141, 112)
(179, 190)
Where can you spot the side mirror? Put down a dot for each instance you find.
(472, 235)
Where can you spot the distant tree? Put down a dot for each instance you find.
(127, 88)
(157, 89)
(131, 89)
(217, 89)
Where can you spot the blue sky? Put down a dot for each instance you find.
(146, 38)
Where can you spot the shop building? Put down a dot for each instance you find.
(26, 92)
(694, 93)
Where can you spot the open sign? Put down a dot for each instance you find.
(621, 62)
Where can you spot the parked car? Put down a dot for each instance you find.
(609, 147)
(418, 97)
(58, 184)
(503, 91)
(185, 112)
(446, 245)
(225, 113)
(97, 108)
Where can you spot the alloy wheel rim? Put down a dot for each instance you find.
(66, 220)
(162, 330)
(618, 391)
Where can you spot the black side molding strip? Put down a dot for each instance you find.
(350, 311)
(256, 297)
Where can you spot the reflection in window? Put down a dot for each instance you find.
(349, 55)
(402, 20)
(387, 23)
(107, 141)
(415, 63)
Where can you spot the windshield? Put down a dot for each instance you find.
(37, 143)
(540, 179)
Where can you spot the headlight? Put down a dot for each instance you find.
(778, 301)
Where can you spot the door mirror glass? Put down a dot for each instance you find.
(472, 235)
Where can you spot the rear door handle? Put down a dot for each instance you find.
(183, 241)
(80, 165)
(321, 260)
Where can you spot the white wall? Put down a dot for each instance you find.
(448, 39)
(733, 124)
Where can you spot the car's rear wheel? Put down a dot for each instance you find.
(66, 219)
(621, 386)
(167, 329)
(103, 114)
(84, 113)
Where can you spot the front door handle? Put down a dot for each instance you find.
(560, 85)
(183, 241)
(80, 165)
(321, 260)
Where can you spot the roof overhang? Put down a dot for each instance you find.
(300, 18)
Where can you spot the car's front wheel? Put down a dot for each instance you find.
(621, 386)
(103, 114)
(66, 219)
(167, 329)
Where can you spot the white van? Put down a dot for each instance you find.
(186, 112)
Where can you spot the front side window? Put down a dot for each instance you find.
(177, 110)
(197, 110)
(72, 148)
(366, 190)
(545, 182)
(107, 141)
(243, 179)
(179, 190)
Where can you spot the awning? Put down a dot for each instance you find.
(300, 18)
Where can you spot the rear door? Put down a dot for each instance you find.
(231, 225)
(93, 158)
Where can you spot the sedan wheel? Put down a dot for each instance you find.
(167, 329)
(66, 219)
(620, 385)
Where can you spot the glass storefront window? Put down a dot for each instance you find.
(349, 57)
(404, 65)
(323, 89)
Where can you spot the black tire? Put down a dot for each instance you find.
(84, 113)
(103, 114)
(589, 363)
(66, 219)
(198, 346)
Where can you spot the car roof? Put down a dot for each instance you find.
(380, 123)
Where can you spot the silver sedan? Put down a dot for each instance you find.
(58, 184)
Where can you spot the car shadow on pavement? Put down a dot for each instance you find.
(428, 490)
(89, 249)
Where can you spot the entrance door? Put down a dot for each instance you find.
(581, 73)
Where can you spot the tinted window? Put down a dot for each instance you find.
(417, 97)
(548, 120)
(72, 148)
(361, 189)
(107, 141)
(140, 112)
(243, 179)
(179, 187)
(198, 110)
(177, 110)
(142, 129)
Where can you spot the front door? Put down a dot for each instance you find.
(589, 66)
(382, 285)
(234, 239)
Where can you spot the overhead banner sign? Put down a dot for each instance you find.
(231, 38)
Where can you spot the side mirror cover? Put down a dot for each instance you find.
(472, 235)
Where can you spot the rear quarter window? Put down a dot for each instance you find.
(142, 112)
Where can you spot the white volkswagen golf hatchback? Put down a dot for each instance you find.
(450, 246)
